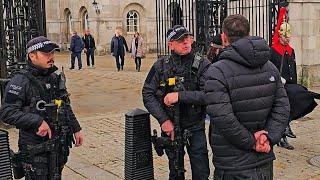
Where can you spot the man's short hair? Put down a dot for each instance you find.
(236, 27)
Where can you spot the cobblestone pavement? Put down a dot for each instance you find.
(100, 98)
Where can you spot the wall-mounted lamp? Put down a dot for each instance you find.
(96, 7)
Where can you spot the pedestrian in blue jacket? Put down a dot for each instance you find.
(76, 47)
(118, 43)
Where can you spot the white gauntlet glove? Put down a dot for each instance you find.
(283, 80)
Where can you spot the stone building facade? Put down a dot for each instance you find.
(305, 21)
(64, 16)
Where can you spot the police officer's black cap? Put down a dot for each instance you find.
(177, 32)
(42, 44)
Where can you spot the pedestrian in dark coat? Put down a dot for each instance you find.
(118, 43)
(76, 47)
(247, 105)
(89, 47)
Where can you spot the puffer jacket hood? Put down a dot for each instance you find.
(251, 51)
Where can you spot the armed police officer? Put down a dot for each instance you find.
(187, 69)
(26, 104)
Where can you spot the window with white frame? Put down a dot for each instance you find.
(132, 21)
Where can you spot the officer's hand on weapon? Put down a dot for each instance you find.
(171, 98)
(78, 138)
(44, 129)
(168, 128)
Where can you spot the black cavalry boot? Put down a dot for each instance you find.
(284, 143)
(288, 132)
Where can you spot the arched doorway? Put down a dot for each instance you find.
(69, 25)
(84, 18)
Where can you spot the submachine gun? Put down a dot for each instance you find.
(57, 116)
(181, 138)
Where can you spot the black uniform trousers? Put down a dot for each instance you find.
(198, 155)
(263, 172)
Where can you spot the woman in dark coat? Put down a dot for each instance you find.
(118, 43)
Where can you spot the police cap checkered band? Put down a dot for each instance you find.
(42, 44)
(177, 32)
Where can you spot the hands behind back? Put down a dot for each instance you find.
(262, 142)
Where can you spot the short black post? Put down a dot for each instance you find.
(5, 164)
(138, 148)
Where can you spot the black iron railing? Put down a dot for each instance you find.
(204, 17)
(21, 21)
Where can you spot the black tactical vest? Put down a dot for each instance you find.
(190, 114)
(44, 90)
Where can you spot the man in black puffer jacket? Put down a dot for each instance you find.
(247, 104)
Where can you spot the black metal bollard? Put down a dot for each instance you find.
(138, 148)
(5, 164)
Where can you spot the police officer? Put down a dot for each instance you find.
(185, 64)
(37, 83)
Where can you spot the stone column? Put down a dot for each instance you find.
(304, 16)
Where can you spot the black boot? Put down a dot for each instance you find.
(284, 143)
(288, 132)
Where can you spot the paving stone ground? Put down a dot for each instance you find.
(100, 98)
